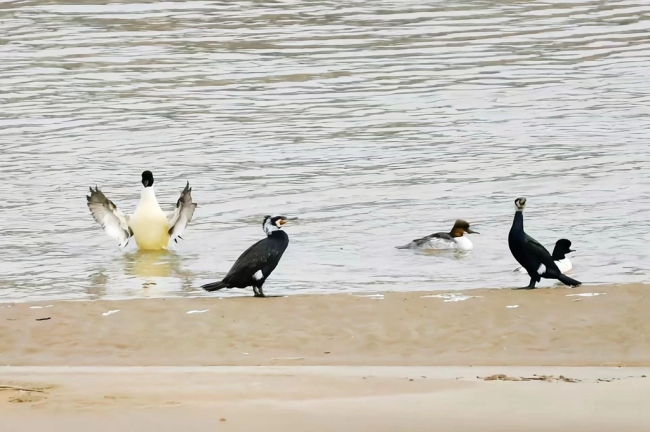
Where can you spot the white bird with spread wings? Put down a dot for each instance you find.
(149, 224)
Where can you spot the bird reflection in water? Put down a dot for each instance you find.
(152, 266)
(158, 272)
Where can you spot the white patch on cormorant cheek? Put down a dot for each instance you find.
(258, 275)
(269, 228)
(542, 269)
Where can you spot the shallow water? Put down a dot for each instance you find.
(374, 122)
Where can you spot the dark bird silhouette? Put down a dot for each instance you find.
(532, 256)
(257, 263)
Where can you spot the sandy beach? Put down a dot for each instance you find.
(484, 359)
(327, 398)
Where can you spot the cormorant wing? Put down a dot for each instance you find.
(253, 260)
(539, 253)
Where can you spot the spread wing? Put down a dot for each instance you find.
(182, 215)
(440, 235)
(255, 258)
(114, 222)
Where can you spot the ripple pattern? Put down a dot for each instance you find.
(374, 122)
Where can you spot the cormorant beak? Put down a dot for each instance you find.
(470, 231)
(572, 250)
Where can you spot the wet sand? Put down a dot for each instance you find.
(548, 327)
(395, 361)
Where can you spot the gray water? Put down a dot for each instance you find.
(373, 122)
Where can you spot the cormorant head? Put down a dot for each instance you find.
(147, 178)
(461, 227)
(520, 204)
(562, 247)
(273, 223)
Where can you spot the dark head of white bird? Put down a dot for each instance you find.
(562, 247)
(460, 228)
(520, 204)
(147, 178)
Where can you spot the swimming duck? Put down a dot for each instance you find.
(531, 254)
(257, 263)
(149, 224)
(454, 239)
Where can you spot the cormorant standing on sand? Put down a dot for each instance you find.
(258, 261)
(531, 254)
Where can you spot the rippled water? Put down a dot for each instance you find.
(374, 122)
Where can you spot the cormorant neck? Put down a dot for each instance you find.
(274, 232)
(277, 234)
(518, 222)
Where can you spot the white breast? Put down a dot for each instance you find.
(463, 243)
(564, 265)
(148, 202)
(149, 223)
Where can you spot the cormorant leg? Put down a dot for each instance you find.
(530, 286)
(258, 291)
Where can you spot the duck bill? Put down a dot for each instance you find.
(469, 231)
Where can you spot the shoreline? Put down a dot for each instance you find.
(248, 292)
(552, 327)
(238, 294)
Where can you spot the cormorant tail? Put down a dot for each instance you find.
(566, 280)
(214, 286)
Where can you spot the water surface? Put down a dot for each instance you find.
(374, 122)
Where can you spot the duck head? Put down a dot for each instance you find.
(460, 228)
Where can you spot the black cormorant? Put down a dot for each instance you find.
(531, 254)
(258, 261)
